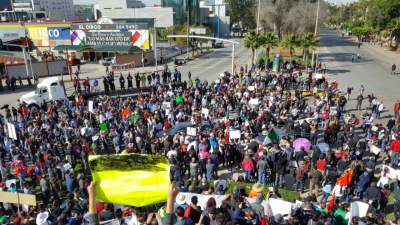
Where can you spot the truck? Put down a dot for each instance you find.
(49, 89)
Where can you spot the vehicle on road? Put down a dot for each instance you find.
(179, 61)
(49, 89)
(107, 61)
(219, 44)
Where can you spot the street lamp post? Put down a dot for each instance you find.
(315, 31)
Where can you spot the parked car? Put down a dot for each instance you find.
(107, 61)
(219, 44)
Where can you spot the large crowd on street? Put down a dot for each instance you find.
(289, 129)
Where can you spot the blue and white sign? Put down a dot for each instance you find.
(59, 34)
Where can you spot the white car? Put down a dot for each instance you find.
(107, 61)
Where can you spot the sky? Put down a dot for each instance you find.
(94, 1)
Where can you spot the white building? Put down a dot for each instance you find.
(124, 10)
(218, 16)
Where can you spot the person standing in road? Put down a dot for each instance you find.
(129, 78)
(122, 82)
(137, 79)
(106, 85)
(360, 99)
(396, 109)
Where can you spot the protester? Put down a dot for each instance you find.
(244, 125)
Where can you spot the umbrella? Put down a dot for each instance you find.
(301, 142)
(323, 147)
(263, 140)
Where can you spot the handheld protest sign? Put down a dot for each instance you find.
(130, 179)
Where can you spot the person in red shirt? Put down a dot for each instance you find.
(395, 152)
(321, 163)
(396, 109)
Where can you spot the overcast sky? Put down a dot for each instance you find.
(94, 1)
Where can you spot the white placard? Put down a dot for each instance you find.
(393, 173)
(91, 106)
(11, 131)
(234, 134)
(375, 149)
(205, 112)
(280, 206)
(110, 222)
(319, 76)
(251, 88)
(67, 166)
(9, 182)
(254, 101)
(359, 209)
(191, 131)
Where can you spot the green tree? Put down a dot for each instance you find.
(252, 41)
(242, 11)
(269, 41)
(290, 42)
(308, 42)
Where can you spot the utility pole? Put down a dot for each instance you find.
(187, 30)
(315, 31)
(258, 15)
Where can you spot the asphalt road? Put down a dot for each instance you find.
(372, 71)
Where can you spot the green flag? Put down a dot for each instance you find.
(179, 99)
(133, 118)
(273, 136)
(103, 127)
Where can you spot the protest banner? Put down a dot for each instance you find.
(130, 179)
(17, 198)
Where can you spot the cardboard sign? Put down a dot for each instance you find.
(11, 131)
(375, 149)
(254, 101)
(359, 209)
(9, 182)
(251, 88)
(191, 131)
(234, 134)
(205, 112)
(67, 166)
(279, 206)
(17, 198)
(91, 106)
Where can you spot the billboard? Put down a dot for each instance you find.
(109, 38)
(59, 33)
(110, 35)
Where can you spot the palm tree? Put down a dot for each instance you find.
(269, 41)
(252, 40)
(290, 42)
(308, 43)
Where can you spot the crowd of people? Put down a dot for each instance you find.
(284, 130)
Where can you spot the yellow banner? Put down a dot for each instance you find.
(38, 33)
(130, 179)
